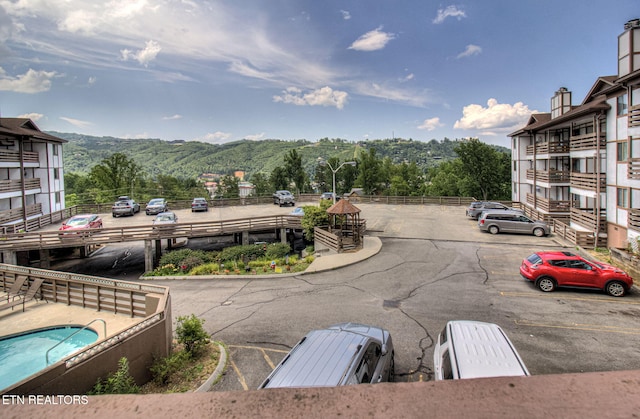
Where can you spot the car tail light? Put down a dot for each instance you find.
(481, 222)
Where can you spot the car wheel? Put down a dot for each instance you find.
(113, 215)
(615, 289)
(538, 232)
(494, 230)
(546, 284)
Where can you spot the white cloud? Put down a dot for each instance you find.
(469, 51)
(30, 82)
(172, 117)
(449, 11)
(496, 117)
(76, 122)
(372, 40)
(324, 96)
(92, 80)
(32, 116)
(254, 137)
(217, 137)
(407, 78)
(430, 124)
(409, 96)
(143, 56)
(345, 14)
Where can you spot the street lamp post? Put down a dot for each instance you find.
(334, 171)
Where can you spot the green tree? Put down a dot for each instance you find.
(262, 184)
(229, 187)
(369, 172)
(444, 179)
(485, 171)
(115, 176)
(278, 179)
(295, 171)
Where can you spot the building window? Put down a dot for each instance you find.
(55, 149)
(623, 197)
(622, 105)
(57, 197)
(56, 173)
(623, 151)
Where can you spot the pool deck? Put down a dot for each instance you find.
(38, 314)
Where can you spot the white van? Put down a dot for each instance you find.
(470, 349)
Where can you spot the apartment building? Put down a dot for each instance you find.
(31, 174)
(580, 165)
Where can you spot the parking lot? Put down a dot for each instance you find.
(434, 266)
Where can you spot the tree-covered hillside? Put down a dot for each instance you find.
(189, 159)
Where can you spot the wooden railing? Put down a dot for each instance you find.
(14, 156)
(16, 185)
(633, 219)
(633, 168)
(587, 141)
(549, 205)
(634, 116)
(548, 147)
(584, 239)
(588, 181)
(587, 218)
(339, 239)
(549, 176)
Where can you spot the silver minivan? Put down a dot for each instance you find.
(471, 349)
(512, 222)
(342, 354)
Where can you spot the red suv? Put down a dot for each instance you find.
(549, 270)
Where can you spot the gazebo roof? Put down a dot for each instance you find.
(343, 206)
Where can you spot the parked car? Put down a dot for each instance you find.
(328, 196)
(156, 206)
(283, 198)
(471, 349)
(79, 223)
(551, 269)
(125, 206)
(165, 218)
(512, 222)
(298, 212)
(199, 204)
(477, 208)
(342, 354)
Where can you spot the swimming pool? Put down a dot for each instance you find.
(24, 354)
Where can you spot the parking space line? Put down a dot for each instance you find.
(578, 326)
(555, 296)
(241, 379)
(282, 351)
(266, 358)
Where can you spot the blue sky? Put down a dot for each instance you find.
(220, 71)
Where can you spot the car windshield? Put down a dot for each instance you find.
(155, 202)
(167, 217)
(75, 222)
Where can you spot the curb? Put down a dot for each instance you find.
(222, 363)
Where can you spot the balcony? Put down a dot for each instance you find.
(588, 181)
(633, 219)
(633, 169)
(586, 217)
(16, 214)
(14, 156)
(16, 185)
(549, 176)
(587, 142)
(549, 205)
(548, 147)
(634, 116)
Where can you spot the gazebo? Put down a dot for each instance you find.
(345, 223)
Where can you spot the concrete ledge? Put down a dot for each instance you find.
(589, 395)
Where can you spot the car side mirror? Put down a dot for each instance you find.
(384, 350)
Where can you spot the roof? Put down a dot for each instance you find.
(554, 254)
(322, 358)
(343, 207)
(21, 127)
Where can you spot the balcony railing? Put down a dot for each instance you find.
(548, 147)
(633, 219)
(633, 169)
(14, 156)
(634, 116)
(586, 218)
(16, 214)
(588, 181)
(16, 185)
(549, 176)
(587, 141)
(549, 205)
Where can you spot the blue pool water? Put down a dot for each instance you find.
(25, 354)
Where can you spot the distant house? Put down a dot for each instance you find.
(31, 172)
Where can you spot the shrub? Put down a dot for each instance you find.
(277, 250)
(163, 368)
(191, 334)
(206, 269)
(190, 262)
(175, 257)
(250, 251)
(119, 382)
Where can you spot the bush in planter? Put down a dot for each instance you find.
(191, 334)
(206, 269)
